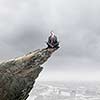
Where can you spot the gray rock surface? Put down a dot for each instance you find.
(17, 76)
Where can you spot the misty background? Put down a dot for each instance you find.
(25, 26)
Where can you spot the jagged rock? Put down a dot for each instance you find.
(17, 76)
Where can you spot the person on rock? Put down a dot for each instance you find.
(52, 41)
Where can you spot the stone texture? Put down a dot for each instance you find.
(17, 76)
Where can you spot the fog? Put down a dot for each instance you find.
(25, 26)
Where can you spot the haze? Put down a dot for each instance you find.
(25, 26)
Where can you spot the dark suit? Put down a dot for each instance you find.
(52, 42)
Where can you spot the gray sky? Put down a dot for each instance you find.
(25, 26)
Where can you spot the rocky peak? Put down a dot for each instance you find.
(17, 76)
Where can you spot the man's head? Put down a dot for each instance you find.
(52, 33)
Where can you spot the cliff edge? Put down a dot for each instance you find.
(17, 76)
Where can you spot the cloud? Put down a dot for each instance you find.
(25, 26)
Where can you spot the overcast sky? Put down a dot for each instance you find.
(25, 26)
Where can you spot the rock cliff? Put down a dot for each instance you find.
(17, 76)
